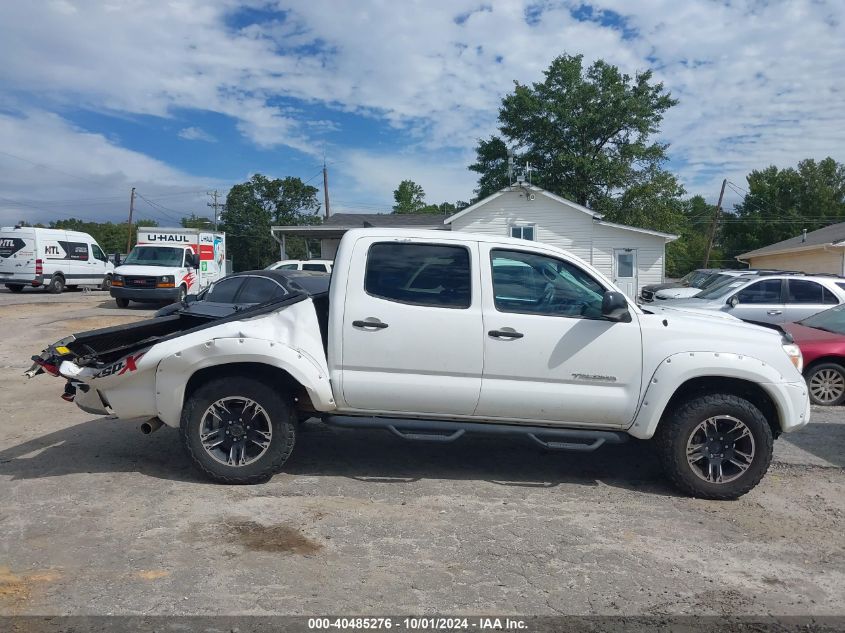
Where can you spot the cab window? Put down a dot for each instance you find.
(98, 253)
(529, 283)
(419, 274)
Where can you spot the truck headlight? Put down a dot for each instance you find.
(795, 355)
(117, 280)
(166, 279)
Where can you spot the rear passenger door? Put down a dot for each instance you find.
(761, 301)
(412, 329)
(805, 298)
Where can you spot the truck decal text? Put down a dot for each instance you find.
(128, 364)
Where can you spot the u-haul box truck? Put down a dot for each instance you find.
(167, 264)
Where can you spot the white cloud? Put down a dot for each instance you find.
(759, 82)
(196, 134)
(50, 170)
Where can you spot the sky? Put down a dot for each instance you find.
(180, 97)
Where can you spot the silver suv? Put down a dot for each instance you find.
(769, 297)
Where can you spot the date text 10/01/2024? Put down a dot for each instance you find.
(421, 623)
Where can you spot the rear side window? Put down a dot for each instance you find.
(800, 291)
(259, 290)
(318, 267)
(224, 291)
(287, 267)
(419, 274)
(767, 291)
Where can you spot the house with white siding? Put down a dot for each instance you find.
(632, 257)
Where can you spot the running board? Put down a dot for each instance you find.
(450, 430)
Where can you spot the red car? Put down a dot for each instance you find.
(821, 338)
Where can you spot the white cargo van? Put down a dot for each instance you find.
(167, 264)
(51, 258)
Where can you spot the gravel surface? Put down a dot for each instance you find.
(97, 519)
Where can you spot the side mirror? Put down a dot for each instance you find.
(614, 307)
(195, 260)
(116, 259)
(733, 301)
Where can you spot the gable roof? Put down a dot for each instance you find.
(831, 235)
(375, 220)
(597, 217)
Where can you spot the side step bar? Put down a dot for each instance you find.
(451, 430)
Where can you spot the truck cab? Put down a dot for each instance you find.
(433, 336)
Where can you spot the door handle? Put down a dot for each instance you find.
(774, 312)
(505, 334)
(374, 324)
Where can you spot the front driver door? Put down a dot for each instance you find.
(548, 354)
(761, 301)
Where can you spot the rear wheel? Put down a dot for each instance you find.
(238, 430)
(715, 446)
(826, 384)
(14, 287)
(183, 293)
(56, 285)
(122, 303)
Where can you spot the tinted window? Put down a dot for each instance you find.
(224, 290)
(536, 284)
(419, 274)
(799, 291)
(74, 250)
(318, 267)
(259, 290)
(767, 291)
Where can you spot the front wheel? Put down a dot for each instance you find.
(715, 446)
(826, 384)
(238, 430)
(122, 303)
(106, 285)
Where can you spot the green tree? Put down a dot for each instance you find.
(780, 203)
(409, 197)
(254, 206)
(587, 133)
(110, 236)
(195, 221)
(687, 252)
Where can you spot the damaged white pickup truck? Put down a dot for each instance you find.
(435, 335)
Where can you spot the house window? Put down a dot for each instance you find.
(523, 231)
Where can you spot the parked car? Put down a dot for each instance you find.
(316, 265)
(53, 259)
(434, 335)
(692, 279)
(821, 338)
(239, 291)
(716, 279)
(769, 298)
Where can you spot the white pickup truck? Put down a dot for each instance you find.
(435, 335)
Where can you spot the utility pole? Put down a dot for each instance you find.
(326, 187)
(214, 204)
(131, 211)
(715, 224)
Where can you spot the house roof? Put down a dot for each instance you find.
(833, 235)
(364, 220)
(597, 217)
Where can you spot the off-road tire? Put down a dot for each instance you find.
(56, 285)
(122, 303)
(675, 430)
(829, 367)
(282, 418)
(14, 287)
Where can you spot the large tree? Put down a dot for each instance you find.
(588, 135)
(254, 206)
(408, 197)
(110, 236)
(780, 203)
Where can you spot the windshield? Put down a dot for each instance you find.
(155, 256)
(721, 289)
(832, 320)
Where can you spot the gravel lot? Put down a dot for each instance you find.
(97, 519)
